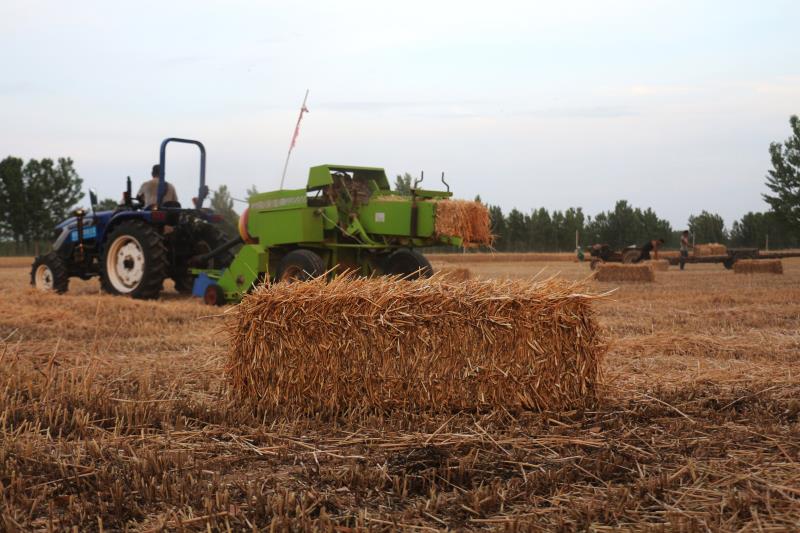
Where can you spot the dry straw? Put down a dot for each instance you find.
(705, 250)
(659, 264)
(758, 266)
(465, 219)
(358, 345)
(617, 272)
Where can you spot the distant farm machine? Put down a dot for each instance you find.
(345, 219)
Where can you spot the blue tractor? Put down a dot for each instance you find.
(134, 248)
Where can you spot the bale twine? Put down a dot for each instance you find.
(705, 250)
(366, 345)
(640, 272)
(465, 219)
(658, 264)
(758, 266)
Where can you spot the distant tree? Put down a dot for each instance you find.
(754, 229)
(252, 191)
(517, 231)
(540, 230)
(222, 204)
(499, 228)
(36, 197)
(784, 178)
(478, 198)
(106, 204)
(402, 184)
(708, 227)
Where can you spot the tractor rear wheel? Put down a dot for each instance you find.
(48, 273)
(134, 261)
(410, 264)
(205, 238)
(300, 265)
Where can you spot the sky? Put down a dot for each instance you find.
(668, 104)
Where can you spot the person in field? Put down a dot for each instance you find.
(649, 246)
(148, 192)
(684, 248)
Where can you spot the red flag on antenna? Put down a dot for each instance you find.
(303, 109)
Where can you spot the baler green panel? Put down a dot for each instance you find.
(284, 199)
(320, 176)
(394, 218)
(286, 226)
(250, 261)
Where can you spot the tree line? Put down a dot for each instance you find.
(37, 195)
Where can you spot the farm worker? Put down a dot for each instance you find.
(650, 246)
(148, 192)
(684, 248)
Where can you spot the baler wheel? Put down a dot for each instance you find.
(300, 265)
(48, 273)
(214, 295)
(408, 263)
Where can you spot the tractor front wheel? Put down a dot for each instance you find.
(48, 273)
(410, 264)
(134, 261)
(300, 265)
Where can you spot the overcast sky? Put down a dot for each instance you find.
(668, 104)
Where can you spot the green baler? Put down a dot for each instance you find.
(345, 219)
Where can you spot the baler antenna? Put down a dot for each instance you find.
(303, 109)
(445, 183)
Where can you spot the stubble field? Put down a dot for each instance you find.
(114, 415)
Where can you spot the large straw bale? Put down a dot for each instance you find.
(658, 264)
(463, 218)
(619, 272)
(713, 248)
(758, 266)
(361, 345)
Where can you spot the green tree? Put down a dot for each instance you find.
(222, 204)
(784, 178)
(517, 231)
(36, 197)
(499, 228)
(106, 204)
(13, 216)
(402, 184)
(754, 229)
(540, 231)
(708, 227)
(252, 191)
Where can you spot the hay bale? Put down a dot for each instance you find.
(465, 219)
(365, 345)
(758, 266)
(706, 250)
(618, 272)
(658, 264)
(454, 273)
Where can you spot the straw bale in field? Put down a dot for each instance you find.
(358, 345)
(465, 219)
(454, 273)
(705, 250)
(620, 272)
(758, 266)
(658, 264)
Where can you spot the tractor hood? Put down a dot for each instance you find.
(88, 220)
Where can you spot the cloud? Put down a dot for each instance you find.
(584, 112)
(659, 90)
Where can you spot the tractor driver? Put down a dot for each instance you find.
(148, 192)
